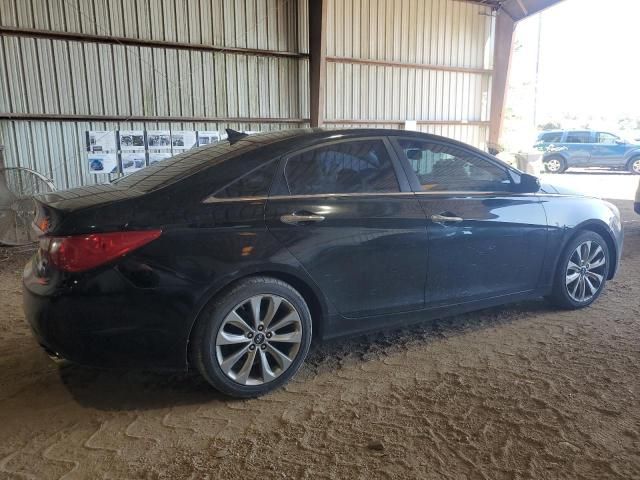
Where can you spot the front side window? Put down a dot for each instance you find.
(578, 137)
(606, 138)
(362, 166)
(441, 167)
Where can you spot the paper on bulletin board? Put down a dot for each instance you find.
(103, 163)
(159, 139)
(101, 141)
(132, 140)
(155, 157)
(208, 137)
(133, 161)
(183, 140)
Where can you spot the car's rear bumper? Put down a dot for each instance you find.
(119, 327)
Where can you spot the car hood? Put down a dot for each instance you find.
(560, 190)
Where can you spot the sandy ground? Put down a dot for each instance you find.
(523, 391)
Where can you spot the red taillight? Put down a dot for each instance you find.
(83, 252)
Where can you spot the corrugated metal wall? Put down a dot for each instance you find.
(394, 60)
(388, 61)
(88, 78)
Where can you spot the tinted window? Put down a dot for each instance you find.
(347, 167)
(176, 168)
(253, 184)
(606, 138)
(552, 137)
(441, 167)
(578, 137)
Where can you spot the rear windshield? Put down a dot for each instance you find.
(176, 168)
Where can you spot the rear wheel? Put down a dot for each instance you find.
(634, 165)
(253, 338)
(582, 271)
(554, 164)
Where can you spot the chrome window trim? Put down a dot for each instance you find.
(463, 192)
(359, 194)
(213, 199)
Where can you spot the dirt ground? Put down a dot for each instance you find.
(523, 391)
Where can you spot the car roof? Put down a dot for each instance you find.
(299, 136)
(543, 132)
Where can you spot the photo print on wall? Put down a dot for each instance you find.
(208, 137)
(159, 139)
(103, 141)
(103, 163)
(132, 140)
(133, 161)
(182, 140)
(155, 157)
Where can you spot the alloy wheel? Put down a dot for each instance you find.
(553, 165)
(585, 271)
(635, 166)
(259, 339)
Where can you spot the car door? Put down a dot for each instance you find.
(484, 240)
(578, 148)
(608, 150)
(346, 212)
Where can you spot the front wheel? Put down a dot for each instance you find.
(634, 165)
(253, 338)
(582, 271)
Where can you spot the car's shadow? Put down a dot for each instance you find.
(119, 390)
(598, 171)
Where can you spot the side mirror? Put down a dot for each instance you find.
(620, 142)
(528, 184)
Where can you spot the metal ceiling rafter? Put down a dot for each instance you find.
(516, 9)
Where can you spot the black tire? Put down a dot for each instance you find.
(203, 350)
(634, 165)
(561, 295)
(548, 161)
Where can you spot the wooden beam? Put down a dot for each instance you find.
(317, 59)
(501, 63)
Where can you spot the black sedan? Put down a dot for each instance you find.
(231, 257)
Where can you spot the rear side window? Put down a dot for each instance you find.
(362, 166)
(552, 137)
(578, 137)
(254, 184)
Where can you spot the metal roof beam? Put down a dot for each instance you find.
(521, 9)
(516, 9)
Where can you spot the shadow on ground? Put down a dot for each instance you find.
(124, 390)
